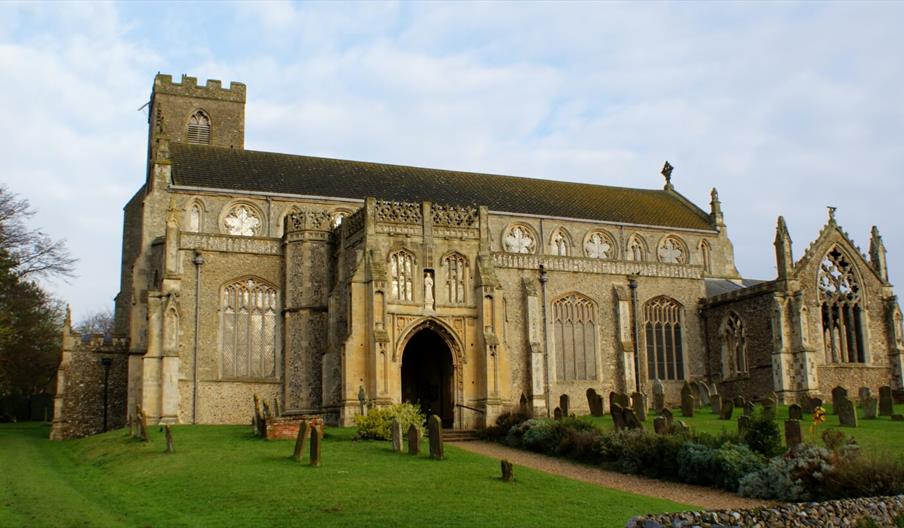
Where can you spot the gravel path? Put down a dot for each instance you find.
(706, 498)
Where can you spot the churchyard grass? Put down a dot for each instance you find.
(223, 476)
(880, 437)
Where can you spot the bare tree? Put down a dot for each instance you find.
(35, 254)
(99, 322)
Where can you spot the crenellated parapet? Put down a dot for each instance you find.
(188, 87)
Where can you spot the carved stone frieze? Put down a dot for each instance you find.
(398, 212)
(230, 244)
(398, 229)
(588, 265)
(307, 220)
(454, 216)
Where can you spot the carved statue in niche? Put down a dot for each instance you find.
(519, 241)
(597, 246)
(242, 221)
(428, 290)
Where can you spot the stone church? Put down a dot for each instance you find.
(319, 282)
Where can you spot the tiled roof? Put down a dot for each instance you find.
(716, 287)
(236, 169)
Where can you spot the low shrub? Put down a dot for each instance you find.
(796, 476)
(856, 476)
(721, 467)
(504, 423)
(763, 436)
(377, 423)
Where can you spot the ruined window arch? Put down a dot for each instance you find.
(734, 347)
(672, 250)
(575, 325)
(599, 244)
(249, 313)
(456, 266)
(842, 316)
(401, 270)
(560, 243)
(199, 128)
(636, 249)
(663, 328)
(706, 255)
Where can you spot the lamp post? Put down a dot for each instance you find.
(106, 362)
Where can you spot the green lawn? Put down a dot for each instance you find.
(880, 437)
(223, 476)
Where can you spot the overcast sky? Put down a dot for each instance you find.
(785, 108)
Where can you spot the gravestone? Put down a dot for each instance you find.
(748, 408)
(810, 404)
(303, 432)
(564, 402)
(687, 400)
(660, 425)
(898, 396)
(795, 412)
(743, 425)
(316, 439)
(414, 440)
(170, 445)
(715, 402)
(705, 396)
(870, 408)
(631, 420)
(595, 402)
(522, 405)
(768, 408)
(257, 415)
(624, 400)
(396, 435)
(142, 425)
(658, 396)
(557, 413)
(863, 394)
(681, 427)
(618, 416)
(669, 417)
(739, 402)
(276, 410)
(727, 410)
(886, 403)
(640, 405)
(837, 394)
(793, 435)
(847, 413)
(507, 475)
(435, 432)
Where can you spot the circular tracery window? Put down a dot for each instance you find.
(242, 220)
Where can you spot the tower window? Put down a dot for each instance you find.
(199, 128)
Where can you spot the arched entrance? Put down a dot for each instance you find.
(427, 375)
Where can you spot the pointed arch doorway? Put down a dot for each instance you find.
(428, 375)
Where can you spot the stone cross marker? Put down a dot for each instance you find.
(396, 435)
(687, 400)
(727, 410)
(640, 405)
(316, 439)
(837, 394)
(715, 402)
(870, 408)
(886, 403)
(793, 434)
(435, 432)
(303, 432)
(795, 412)
(507, 475)
(414, 440)
(847, 413)
(564, 401)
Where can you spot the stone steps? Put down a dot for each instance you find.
(460, 435)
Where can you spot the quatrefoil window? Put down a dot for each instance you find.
(242, 220)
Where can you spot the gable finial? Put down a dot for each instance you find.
(667, 173)
(832, 210)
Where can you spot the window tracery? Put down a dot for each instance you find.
(840, 296)
(706, 255)
(401, 268)
(637, 250)
(575, 328)
(734, 347)
(199, 128)
(671, 251)
(559, 243)
(249, 310)
(242, 220)
(599, 245)
(663, 328)
(456, 269)
(519, 239)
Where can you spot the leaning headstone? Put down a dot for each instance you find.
(591, 402)
(640, 405)
(748, 408)
(660, 425)
(727, 410)
(687, 400)
(631, 420)
(613, 399)
(863, 394)
(507, 475)
(870, 408)
(793, 434)
(557, 413)
(658, 396)
(316, 439)
(705, 396)
(624, 400)
(886, 403)
(847, 413)
(414, 440)
(170, 445)
(303, 432)
(396, 435)
(715, 403)
(564, 402)
(618, 416)
(768, 408)
(743, 425)
(435, 431)
(795, 412)
(897, 395)
(837, 394)
(681, 427)
(669, 417)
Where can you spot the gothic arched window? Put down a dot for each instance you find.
(575, 326)
(248, 335)
(195, 218)
(839, 296)
(706, 253)
(734, 347)
(637, 250)
(456, 272)
(199, 128)
(401, 268)
(559, 243)
(662, 323)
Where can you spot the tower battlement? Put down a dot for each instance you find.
(213, 89)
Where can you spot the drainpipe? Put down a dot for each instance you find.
(198, 261)
(543, 279)
(632, 283)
